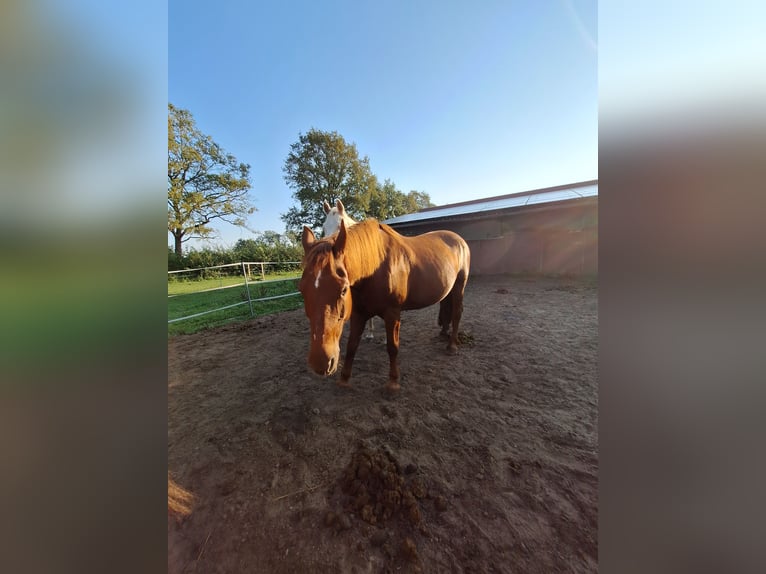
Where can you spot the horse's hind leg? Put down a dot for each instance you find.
(393, 322)
(445, 315)
(456, 306)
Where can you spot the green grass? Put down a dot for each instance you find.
(184, 303)
(178, 283)
(176, 287)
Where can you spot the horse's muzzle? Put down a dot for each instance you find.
(324, 364)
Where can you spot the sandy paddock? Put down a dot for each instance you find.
(484, 462)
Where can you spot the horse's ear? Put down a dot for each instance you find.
(340, 241)
(339, 205)
(307, 239)
(326, 207)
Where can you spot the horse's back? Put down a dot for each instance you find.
(442, 247)
(437, 260)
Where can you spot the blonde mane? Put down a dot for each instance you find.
(367, 243)
(366, 249)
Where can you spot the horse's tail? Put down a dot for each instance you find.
(453, 302)
(465, 264)
(462, 275)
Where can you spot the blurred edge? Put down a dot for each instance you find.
(82, 345)
(83, 104)
(681, 290)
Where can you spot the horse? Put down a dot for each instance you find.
(333, 217)
(371, 270)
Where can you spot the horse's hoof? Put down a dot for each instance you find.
(444, 335)
(452, 349)
(393, 387)
(343, 383)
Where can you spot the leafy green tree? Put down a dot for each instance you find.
(208, 257)
(388, 201)
(268, 246)
(321, 166)
(250, 250)
(204, 182)
(417, 200)
(174, 261)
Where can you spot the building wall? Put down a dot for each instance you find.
(555, 240)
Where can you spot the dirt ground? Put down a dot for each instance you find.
(484, 462)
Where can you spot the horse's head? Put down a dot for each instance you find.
(326, 297)
(334, 215)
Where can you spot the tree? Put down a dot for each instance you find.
(250, 250)
(268, 246)
(417, 200)
(388, 201)
(321, 166)
(204, 182)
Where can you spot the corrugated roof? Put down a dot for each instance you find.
(536, 197)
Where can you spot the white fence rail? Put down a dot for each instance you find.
(230, 270)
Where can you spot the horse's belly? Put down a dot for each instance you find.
(417, 299)
(429, 285)
(372, 303)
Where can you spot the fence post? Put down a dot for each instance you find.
(247, 288)
(263, 275)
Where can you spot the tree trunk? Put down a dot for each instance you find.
(179, 246)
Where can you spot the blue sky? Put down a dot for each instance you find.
(461, 100)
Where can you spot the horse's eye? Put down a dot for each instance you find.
(341, 272)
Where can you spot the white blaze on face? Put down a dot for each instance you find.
(332, 222)
(316, 281)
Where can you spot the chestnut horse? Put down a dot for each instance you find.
(369, 269)
(333, 217)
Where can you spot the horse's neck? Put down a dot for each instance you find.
(360, 266)
(365, 251)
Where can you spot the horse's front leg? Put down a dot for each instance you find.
(355, 335)
(393, 322)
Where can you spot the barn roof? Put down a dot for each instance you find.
(537, 197)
